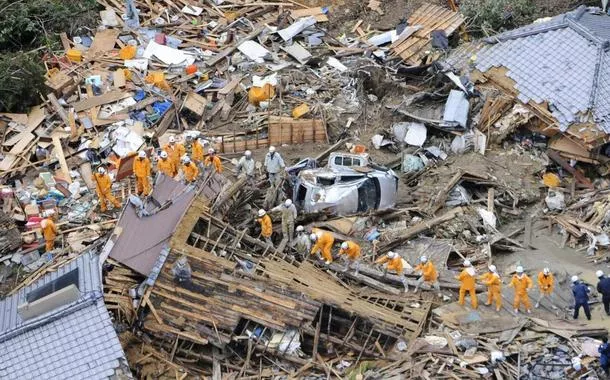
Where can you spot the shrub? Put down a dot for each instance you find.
(497, 15)
(22, 78)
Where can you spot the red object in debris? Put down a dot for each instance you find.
(160, 38)
(33, 222)
(191, 69)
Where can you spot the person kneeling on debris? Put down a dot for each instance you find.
(393, 262)
(323, 243)
(142, 169)
(522, 284)
(246, 166)
(350, 252)
(467, 280)
(166, 166)
(546, 282)
(428, 274)
(603, 287)
(266, 226)
(49, 232)
(302, 243)
(604, 355)
(213, 160)
(492, 280)
(103, 187)
(581, 297)
(190, 170)
(289, 215)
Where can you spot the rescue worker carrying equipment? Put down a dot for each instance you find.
(103, 187)
(142, 170)
(522, 284)
(467, 284)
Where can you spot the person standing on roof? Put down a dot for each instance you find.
(603, 287)
(213, 160)
(190, 170)
(323, 244)
(289, 216)
(546, 283)
(522, 284)
(467, 280)
(302, 243)
(197, 152)
(245, 166)
(49, 232)
(492, 280)
(266, 226)
(274, 164)
(428, 274)
(175, 151)
(393, 262)
(166, 166)
(581, 297)
(350, 251)
(142, 169)
(103, 187)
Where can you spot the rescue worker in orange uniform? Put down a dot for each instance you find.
(175, 151)
(350, 251)
(266, 226)
(166, 166)
(49, 232)
(522, 283)
(197, 152)
(428, 274)
(103, 187)
(142, 169)
(492, 280)
(393, 262)
(213, 159)
(190, 170)
(323, 243)
(546, 283)
(467, 280)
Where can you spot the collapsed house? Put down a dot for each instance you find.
(559, 70)
(59, 327)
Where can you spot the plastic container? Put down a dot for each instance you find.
(128, 52)
(74, 55)
(300, 110)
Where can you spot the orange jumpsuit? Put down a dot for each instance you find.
(49, 232)
(141, 169)
(493, 283)
(266, 226)
(190, 172)
(215, 160)
(197, 152)
(467, 284)
(521, 285)
(428, 271)
(546, 283)
(324, 244)
(167, 167)
(352, 251)
(175, 152)
(103, 187)
(394, 264)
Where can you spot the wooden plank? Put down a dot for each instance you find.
(220, 56)
(62, 158)
(103, 41)
(119, 78)
(58, 108)
(577, 174)
(297, 13)
(109, 97)
(65, 42)
(229, 86)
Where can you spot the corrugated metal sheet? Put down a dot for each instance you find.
(141, 239)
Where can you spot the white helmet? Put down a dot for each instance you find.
(344, 245)
(574, 278)
(186, 159)
(271, 149)
(43, 223)
(163, 154)
(288, 203)
(261, 212)
(300, 228)
(141, 154)
(492, 268)
(599, 274)
(313, 236)
(172, 139)
(519, 269)
(546, 271)
(423, 259)
(211, 151)
(392, 254)
(247, 153)
(101, 170)
(467, 263)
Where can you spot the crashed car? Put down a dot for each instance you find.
(347, 185)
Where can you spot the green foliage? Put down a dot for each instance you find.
(26, 24)
(22, 77)
(497, 15)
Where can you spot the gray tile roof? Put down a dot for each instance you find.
(75, 341)
(564, 61)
